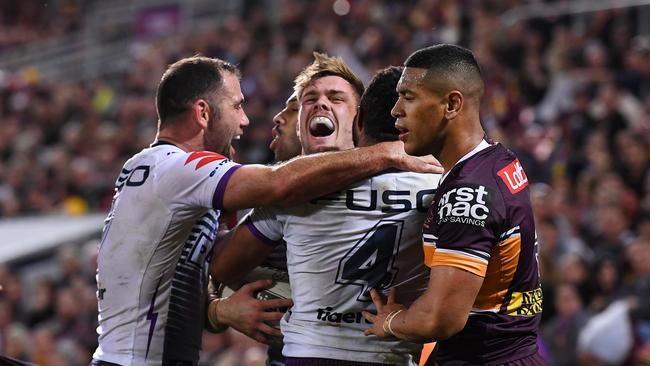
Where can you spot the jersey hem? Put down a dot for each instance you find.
(330, 353)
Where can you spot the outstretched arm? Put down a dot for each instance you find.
(438, 314)
(308, 177)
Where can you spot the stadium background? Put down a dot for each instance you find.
(568, 88)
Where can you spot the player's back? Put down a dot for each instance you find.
(151, 273)
(340, 246)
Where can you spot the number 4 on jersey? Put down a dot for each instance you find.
(370, 263)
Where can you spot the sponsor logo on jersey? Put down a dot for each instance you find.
(329, 314)
(514, 176)
(204, 158)
(527, 303)
(386, 201)
(468, 204)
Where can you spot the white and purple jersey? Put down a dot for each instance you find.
(338, 248)
(152, 267)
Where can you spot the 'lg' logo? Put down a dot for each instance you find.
(514, 177)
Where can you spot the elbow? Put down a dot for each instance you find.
(446, 332)
(441, 329)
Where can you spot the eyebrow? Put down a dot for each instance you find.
(327, 92)
(403, 90)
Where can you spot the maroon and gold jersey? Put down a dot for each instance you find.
(481, 221)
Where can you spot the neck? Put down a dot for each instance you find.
(185, 144)
(460, 142)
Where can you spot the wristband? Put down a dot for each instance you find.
(213, 317)
(389, 318)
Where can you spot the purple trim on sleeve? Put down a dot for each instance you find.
(217, 199)
(258, 234)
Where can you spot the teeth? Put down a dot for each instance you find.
(236, 137)
(321, 126)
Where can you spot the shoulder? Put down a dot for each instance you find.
(406, 180)
(495, 167)
(195, 163)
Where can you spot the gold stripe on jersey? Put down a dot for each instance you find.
(499, 275)
(429, 250)
(458, 259)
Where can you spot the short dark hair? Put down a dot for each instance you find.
(376, 103)
(450, 64)
(187, 80)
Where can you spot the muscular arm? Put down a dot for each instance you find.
(438, 314)
(307, 177)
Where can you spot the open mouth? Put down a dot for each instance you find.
(320, 126)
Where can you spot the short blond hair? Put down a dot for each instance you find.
(325, 65)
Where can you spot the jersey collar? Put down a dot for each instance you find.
(481, 146)
(161, 142)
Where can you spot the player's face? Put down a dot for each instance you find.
(285, 144)
(228, 122)
(327, 109)
(419, 113)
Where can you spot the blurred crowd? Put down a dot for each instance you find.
(29, 21)
(570, 94)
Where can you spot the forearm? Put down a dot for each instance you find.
(308, 177)
(441, 312)
(418, 326)
(311, 176)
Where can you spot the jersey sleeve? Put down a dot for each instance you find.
(461, 229)
(264, 225)
(196, 179)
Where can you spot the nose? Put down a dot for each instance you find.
(277, 119)
(397, 110)
(323, 103)
(244, 121)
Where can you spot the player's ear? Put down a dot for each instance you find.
(201, 112)
(454, 104)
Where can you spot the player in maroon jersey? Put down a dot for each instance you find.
(483, 303)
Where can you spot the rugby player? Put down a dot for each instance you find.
(483, 302)
(340, 245)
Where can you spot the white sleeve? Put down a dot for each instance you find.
(264, 225)
(196, 179)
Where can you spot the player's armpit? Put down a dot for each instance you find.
(440, 312)
(236, 254)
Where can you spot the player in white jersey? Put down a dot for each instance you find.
(151, 276)
(341, 245)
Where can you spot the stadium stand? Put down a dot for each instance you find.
(570, 92)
